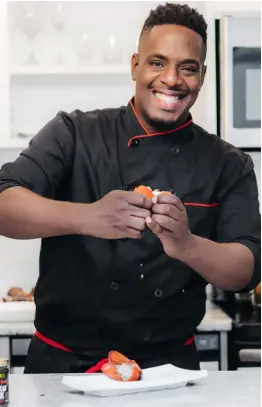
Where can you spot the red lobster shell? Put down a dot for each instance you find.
(120, 368)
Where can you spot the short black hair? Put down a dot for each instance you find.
(172, 13)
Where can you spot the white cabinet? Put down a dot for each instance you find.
(63, 56)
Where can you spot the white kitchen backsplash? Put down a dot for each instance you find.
(18, 264)
(19, 259)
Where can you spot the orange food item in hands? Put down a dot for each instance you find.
(120, 368)
(147, 191)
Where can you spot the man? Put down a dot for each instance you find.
(117, 270)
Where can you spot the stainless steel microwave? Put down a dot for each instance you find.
(240, 81)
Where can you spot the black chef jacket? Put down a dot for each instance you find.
(95, 294)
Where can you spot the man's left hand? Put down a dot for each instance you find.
(169, 222)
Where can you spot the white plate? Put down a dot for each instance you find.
(156, 378)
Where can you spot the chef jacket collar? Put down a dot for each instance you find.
(136, 129)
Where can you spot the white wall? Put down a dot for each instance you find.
(19, 260)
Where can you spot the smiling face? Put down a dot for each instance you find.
(169, 72)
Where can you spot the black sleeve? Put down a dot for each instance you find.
(45, 162)
(239, 217)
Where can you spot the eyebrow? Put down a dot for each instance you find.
(190, 61)
(159, 56)
(184, 61)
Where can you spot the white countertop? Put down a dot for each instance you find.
(17, 319)
(220, 389)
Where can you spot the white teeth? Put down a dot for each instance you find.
(166, 98)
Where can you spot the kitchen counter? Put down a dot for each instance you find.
(219, 389)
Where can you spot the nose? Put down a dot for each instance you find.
(171, 77)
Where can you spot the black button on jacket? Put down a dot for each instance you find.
(90, 294)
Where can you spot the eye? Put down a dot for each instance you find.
(157, 64)
(189, 69)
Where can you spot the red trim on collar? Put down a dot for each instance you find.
(152, 134)
(137, 118)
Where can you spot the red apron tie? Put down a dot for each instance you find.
(97, 368)
(94, 369)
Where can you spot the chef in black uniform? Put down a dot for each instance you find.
(117, 270)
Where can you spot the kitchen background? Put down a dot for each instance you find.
(67, 55)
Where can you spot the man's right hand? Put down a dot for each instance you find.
(119, 214)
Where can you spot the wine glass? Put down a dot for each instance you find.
(112, 48)
(30, 20)
(59, 21)
(84, 45)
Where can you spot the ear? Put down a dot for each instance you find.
(134, 66)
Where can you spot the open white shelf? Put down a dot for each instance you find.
(89, 77)
(71, 70)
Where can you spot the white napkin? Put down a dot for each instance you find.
(156, 378)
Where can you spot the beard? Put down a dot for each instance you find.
(163, 123)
